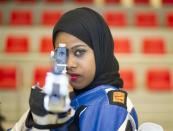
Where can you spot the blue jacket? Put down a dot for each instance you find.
(104, 108)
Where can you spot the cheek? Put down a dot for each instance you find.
(88, 73)
(89, 69)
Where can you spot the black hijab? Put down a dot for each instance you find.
(90, 27)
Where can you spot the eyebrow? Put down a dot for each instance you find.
(76, 46)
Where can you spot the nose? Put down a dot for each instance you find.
(71, 62)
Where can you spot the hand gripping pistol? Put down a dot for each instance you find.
(56, 83)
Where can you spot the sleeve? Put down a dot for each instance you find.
(21, 125)
(108, 118)
(131, 110)
(112, 116)
(131, 121)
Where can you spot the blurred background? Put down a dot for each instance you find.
(143, 36)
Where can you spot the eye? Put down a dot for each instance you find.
(79, 52)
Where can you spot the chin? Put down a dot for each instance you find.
(76, 86)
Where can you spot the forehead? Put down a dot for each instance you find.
(68, 39)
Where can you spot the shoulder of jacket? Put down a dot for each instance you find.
(117, 97)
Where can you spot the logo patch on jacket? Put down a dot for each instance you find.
(118, 97)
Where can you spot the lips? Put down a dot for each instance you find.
(74, 77)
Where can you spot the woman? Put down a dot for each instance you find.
(99, 102)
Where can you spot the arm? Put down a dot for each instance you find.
(106, 118)
(109, 115)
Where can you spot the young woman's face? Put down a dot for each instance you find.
(81, 65)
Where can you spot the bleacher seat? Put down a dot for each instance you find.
(46, 45)
(142, 2)
(169, 19)
(117, 18)
(17, 44)
(84, 1)
(3, 1)
(54, 1)
(26, 1)
(50, 17)
(112, 1)
(21, 17)
(8, 77)
(129, 79)
(153, 46)
(159, 79)
(146, 19)
(122, 45)
(40, 75)
(167, 2)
